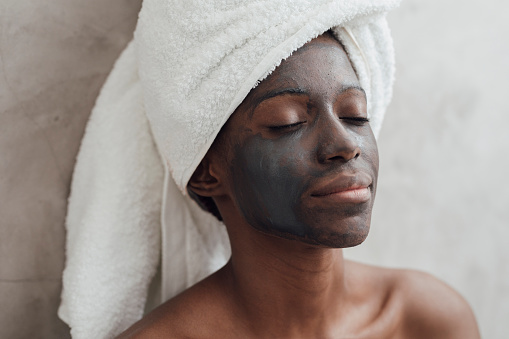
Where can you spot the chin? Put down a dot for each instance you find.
(342, 226)
(339, 230)
(344, 240)
(337, 239)
(333, 236)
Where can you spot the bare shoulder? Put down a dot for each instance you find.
(165, 321)
(191, 314)
(169, 320)
(433, 309)
(417, 305)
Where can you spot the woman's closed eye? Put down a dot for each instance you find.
(286, 127)
(356, 120)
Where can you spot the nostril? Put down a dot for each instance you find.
(336, 157)
(340, 154)
(337, 145)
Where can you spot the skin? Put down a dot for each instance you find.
(285, 149)
(298, 135)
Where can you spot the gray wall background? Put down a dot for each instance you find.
(54, 57)
(443, 196)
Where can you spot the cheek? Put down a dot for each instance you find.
(268, 183)
(370, 157)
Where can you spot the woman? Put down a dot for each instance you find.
(293, 174)
(266, 125)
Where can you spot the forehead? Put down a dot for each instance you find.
(321, 58)
(319, 68)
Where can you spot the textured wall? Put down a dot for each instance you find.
(54, 57)
(443, 198)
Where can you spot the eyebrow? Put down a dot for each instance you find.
(275, 93)
(298, 91)
(349, 87)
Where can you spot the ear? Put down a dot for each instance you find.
(205, 181)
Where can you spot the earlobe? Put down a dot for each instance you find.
(205, 181)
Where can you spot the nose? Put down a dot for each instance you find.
(336, 143)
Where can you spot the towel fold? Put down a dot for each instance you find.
(190, 65)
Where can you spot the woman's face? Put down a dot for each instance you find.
(301, 159)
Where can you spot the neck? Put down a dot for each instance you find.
(276, 281)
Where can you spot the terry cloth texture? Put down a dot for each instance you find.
(191, 63)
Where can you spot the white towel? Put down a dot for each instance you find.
(190, 65)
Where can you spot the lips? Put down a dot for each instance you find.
(354, 188)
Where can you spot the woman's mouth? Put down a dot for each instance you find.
(350, 195)
(346, 189)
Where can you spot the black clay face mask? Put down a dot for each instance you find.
(304, 163)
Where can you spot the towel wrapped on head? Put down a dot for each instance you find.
(189, 66)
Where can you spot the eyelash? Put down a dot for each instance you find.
(353, 119)
(358, 120)
(278, 128)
